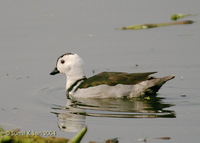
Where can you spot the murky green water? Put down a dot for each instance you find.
(34, 33)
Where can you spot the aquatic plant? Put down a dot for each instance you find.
(178, 16)
(13, 136)
(77, 138)
(154, 25)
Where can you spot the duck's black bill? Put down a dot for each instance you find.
(55, 71)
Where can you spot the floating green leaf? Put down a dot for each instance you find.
(178, 16)
(163, 138)
(147, 26)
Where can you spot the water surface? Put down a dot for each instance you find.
(34, 33)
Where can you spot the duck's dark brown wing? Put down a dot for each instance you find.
(113, 78)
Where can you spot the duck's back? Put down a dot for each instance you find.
(119, 85)
(114, 78)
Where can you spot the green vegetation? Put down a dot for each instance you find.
(178, 16)
(148, 26)
(77, 138)
(13, 136)
(31, 139)
(155, 25)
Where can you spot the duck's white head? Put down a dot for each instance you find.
(72, 66)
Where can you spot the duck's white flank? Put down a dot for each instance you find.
(106, 84)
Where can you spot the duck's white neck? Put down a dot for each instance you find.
(73, 77)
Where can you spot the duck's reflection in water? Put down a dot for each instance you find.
(71, 118)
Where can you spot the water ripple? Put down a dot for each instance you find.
(71, 117)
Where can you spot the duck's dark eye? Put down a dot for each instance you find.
(62, 61)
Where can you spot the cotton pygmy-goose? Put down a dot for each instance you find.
(105, 84)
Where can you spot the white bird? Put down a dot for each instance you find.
(105, 84)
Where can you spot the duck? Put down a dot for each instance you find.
(105, 84)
